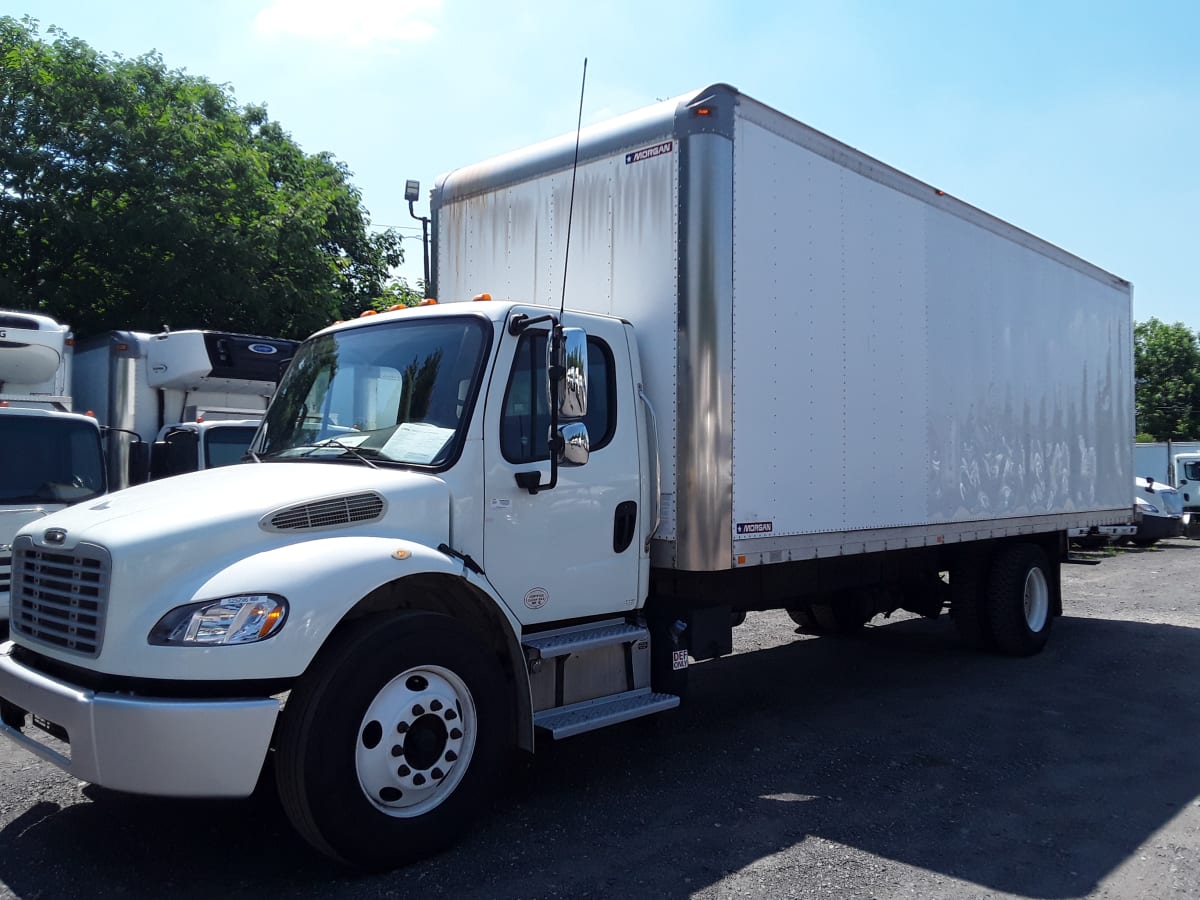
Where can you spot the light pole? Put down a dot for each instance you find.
(412, 191)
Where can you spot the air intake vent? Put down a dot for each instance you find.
(331, 513)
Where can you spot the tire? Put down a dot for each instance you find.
(969, 602)
(1145, 542)
(845, 614)
(800, 615)
(390, 743)
(1019, 603)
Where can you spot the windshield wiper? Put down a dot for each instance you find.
(334, 442)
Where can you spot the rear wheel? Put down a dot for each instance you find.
(1019, 600)
(391, 742)
(969, 601)
(802, 617)
(844, 613)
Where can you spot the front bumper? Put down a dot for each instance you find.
(1153, 528)
(163, 747)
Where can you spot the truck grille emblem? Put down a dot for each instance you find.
(55, 536)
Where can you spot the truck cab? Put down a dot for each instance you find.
(203, 444)
(1187, 480)
(50, 458)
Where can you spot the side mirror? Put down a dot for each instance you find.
(160, 461)
(139, 462)
(573, 446)
(568, 373)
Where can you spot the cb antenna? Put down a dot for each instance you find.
(571, 205)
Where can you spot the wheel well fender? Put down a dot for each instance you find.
(461, 598)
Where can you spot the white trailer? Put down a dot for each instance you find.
(158, 387)
(788, 377)
(49, 457)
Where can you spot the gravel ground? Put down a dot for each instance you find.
(896, 764)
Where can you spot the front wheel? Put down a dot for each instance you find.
(1019, 600)
(389, 745)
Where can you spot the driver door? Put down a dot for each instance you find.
(570, 551)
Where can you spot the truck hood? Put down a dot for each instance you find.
(13, 518)
(232, 530)
(204, 514)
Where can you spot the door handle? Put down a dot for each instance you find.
(624, 525)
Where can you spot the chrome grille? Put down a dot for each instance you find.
(5, 571)
(365, 507)
(60, 597)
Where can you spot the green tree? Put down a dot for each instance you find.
(398, 293)
(133, 196)
(1167, 377)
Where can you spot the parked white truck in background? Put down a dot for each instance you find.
(1175, 463)
(49, 457)
(454, 542)
(194, 397)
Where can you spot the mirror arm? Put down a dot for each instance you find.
(532, 481)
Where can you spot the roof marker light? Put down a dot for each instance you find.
(428, 301)
(483, 296)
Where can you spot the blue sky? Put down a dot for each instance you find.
(1077, 121)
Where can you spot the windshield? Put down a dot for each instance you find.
(395, 392)
(44, 459)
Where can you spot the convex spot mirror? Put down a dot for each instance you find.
(573, 445)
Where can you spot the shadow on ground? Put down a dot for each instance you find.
(1035, 777)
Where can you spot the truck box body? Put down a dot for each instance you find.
(1155, 460)
(842, 358)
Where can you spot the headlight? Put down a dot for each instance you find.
(243, 619)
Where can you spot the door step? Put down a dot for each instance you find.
(589, 715)
(551, 644)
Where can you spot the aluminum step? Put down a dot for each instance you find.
(589, 715)
(580, 640)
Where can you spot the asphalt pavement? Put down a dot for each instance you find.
(895, 764)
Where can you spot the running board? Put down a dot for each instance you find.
(567, 721)
(579, 640)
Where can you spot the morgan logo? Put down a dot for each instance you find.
(56, 536)
(755, 527)
(536, 598)
(648, 152)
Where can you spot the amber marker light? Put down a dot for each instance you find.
(428, 301)
(270, 621)
(483, 296)
(401, 553)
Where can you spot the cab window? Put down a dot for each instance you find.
(525, 421)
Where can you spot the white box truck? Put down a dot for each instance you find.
(49, 456)
(194, 397)
(788, 377)
(1176, 463)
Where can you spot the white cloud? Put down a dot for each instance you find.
(353, 23)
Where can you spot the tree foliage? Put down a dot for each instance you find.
(133, 196)
(1167, 372)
